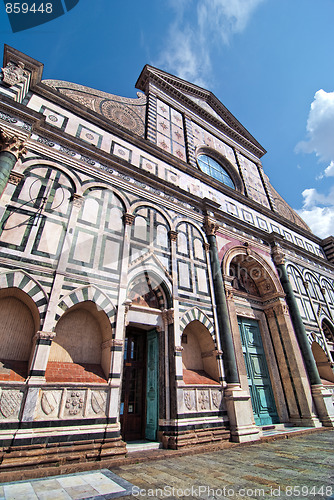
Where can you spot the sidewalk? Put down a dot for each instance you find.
(299, 467)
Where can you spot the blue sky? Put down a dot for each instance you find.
(270, 62)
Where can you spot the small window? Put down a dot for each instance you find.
(215, 170)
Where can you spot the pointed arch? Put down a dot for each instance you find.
(87, 293)
(196, 314)
(26, 283)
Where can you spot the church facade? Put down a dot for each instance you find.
(153, 284)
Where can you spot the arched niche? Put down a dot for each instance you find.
(198, 355)
(19, 322)
(77, 352)
(323, 364)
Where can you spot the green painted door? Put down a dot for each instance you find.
(262, 396)
(152, 388)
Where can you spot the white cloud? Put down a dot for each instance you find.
(318, 211)
(320, 127)
(319, 219)
(318, 208)
(329, 171)
(198, 29)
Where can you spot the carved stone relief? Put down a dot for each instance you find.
(50, 403)
(10, 403)
(74, 404)
(98, 402)
(198, 400)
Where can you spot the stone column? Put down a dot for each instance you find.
(238, 401)
(321, 396)
(298, 325)
(11, 149)
(220, 352)
(230, 365)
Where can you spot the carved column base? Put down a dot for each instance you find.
(240, 414)
(322, 398)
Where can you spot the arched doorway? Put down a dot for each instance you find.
(144, 348)
(251, 284)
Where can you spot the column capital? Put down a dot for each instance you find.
(12, 144)
(172, 235)
(210, 226)
(277, 255)
(168, 315)
(206, 247)
(15, 178)
(41, 335)
(77, 200)
(229, 294)
(128, 219)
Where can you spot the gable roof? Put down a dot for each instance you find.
(202, 102)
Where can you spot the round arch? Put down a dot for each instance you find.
(196, 314)
(137, 205)
(81, 347)
(87, 293)
(225, 163)
(185, 220)
(91, 186)
(256, 266)
(29, 164)
(18, 281)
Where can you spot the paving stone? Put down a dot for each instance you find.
(262, 468)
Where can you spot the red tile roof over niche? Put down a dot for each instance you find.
(198, 377)
(13, 371)
(74, 372)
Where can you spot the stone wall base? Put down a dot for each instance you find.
(58, 458)
(191, 438)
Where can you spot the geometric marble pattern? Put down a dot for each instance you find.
(100, 485)
(196, 314)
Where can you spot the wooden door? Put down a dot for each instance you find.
(152, 387)
(262, 396)
(134, 386)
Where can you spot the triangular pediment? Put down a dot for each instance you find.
(202, 102)
(206, 107)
